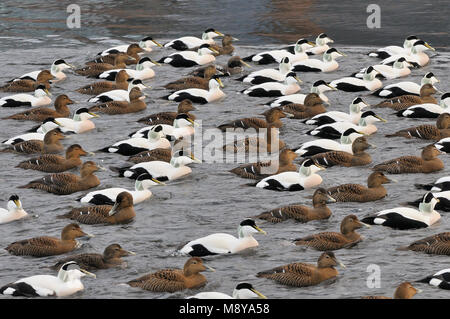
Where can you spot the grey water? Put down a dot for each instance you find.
(211, 200)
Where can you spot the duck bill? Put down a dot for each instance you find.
(158, 182)
(246, 64)
(392, 180)
(331, 87)
(219, 33)
(364, 224)
(372, 145)
(113, 209)
(155, 62)
(320, 167)
(430, 47)
(209, 268)
(87, 273)
(47, 92)
(193, 122)
(311, 43)
(93, 114)
(196, 160)
(330, 199)
(88, 235)
(341, 53)
(260, 295)
(128, 253)
(381, 119)
(260, 230)
(157, 43)
(220, 82)
(298, 80)
(17, 203)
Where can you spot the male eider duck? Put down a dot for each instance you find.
(143, 71)
(135, 104)
(66, 283)
(35, 133)
(272, 117)
(269, 75)
(427, 131)
(186, 59)
(443, 204)
(440, 185)
(118, 95)
(192, 82)
(427, 110)
(406, 87)
(67, 183)
(403, 102)
(40, 98)
(56, 69)
(199, 95)
(146, 44)
(415, 56)
(360, 193)
(326, 241)
(49, 246)
(302, 213)
(400, 68)
(351, 84)
(182, 126)
(96, 88)
(385, 52)
(221, 243)
(49, 145)
(353, 116)
(404, 291)
(173, 280)
(28, 85)
(189, 42)
(15, 210)
(327, 64)
(80, 123)
(268, 89)
(243, 290)
(303, 274)
(441, 279)
(184, 107)
(406, 217)
(427, 163)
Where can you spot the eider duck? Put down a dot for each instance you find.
(443, 145)
(406, 87)
(427, 163)
(40, 114)
(353, 116)
(416, 56)
(52, 163)
(268, 75)
(428, 131)
(50, 145)
(270, 143)
(199, 95)
(227, 47)
(172, 280)
(440, 185)
(406, 217)
(327, 64)
(189, 42)
(111, 257)
(95, 69)
(327, 241)
(351, 84)
(40, 98)
(146, 43)
(28, 85)
(400, 68)
(133, 51)
(427, 110)
(80, 123)
(321, 44)
(303, 274)
(184, 107)
(243, 290)
(67, 183)
(15, 210)
(438, 244)
(96, 88)
(182, 127)
(302, 213)
(360, 193)
(157, 154)
(35, 133)
(268, 89)
(305, 178)
(193, 81)
(312, 106)
(403, 102)
(441, 279)
(118, 95)
(263, 169)
(143, 71)
(221, 243)
(385, 52)
(56, 69)
(272, 117)
(136, 104)
(49, 246)
(66, 283)
(443, 204)
(186, 59)
(235, 65)
(120, 213)
(404, 291)
(108, 196)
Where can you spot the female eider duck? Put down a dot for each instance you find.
(66, 283)
(199, 95)
(327, 64)
(67, 183)
(135, 145)
(427, 163)
(28, 85)
(269, 75)
(121, 212)
(406, 217)
(49, 246)
(243, 290)
(415, 56)
(173, 280)
(270, 143)
(80, 123)
(272, 117)
(303, 274)
(158, 154)
(326, 241)
(186, 59)
(133, 52)
(192, 82)
(95, 69)
(386, 52)
(221, 243)
(143, 71)
(305, 178)
(227, 47)
(136, 104)
(268, 89)
(427, 131)
(353, 116)
(184, 107)
(40, 98)
(52, 163)
(351, 84)
(120, 83)
(15, 210)
(42, 113)
(403, 102)
(441, 279)
(235, 65)
(108, 196)
(111, 257)
(118, 95)
(405, 87)
(49, 145)
(146, 44)
(35, 133)
(427, 110)
(313, 106)
(438, 244)
(360, 193)
(189, 42)
(399, 69)
(404, 291)
(302, 213)
(56, 69)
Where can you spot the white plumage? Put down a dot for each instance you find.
(290, 86)
(40, 98)
(182, 127)
(56, 70)
(319, 87)
(119, 95)
(143, 71)
(80, 122)
(428, 110)
(405, 87)
(298, 54)
(14, 211)
(199, 95)
(242, 291)
(415, 56)
(190, 42)
(147, 44)
(327, 64)
(353, 116)
(351, 84)
(269, 75)
(395, 49)
(191, 58)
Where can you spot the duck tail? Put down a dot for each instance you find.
(427, 187)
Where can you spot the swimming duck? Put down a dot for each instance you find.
(403, 102)
(121, 212)
(272, 116)
(52, 163)
(172, 280)
(326, 241)
(305, 178)
(268, 89)
(263, 169)
(158, 154)
(136, 104)
(28, 85)
(369, 82)
(243, 290)
(353, 116)
(400, 68)
(406, 217)
(143, 71)
(406, 87)
(118, 95)
(35, 133)
(440, 185)
(441, 279)
(269, 75)
(427, 110)
(428, 131)
(189, 42)
(108, 196)
(184, 107)
(303, 274)
(302, 213)
(443, 145)
(111, 257)
(133, 51)
(335, 130)
(386, 52)
(220, 243)
(146, 44)
(56, 69)
(199, 95)
(227, 46)
(40, 98)
(80, 123)
(15, 210)
(427, 163)
(182, 126)
(193, 81)
(66, 283)
(416, 55)
(404, 291)
(438, 244)
(270, 143)
(49, 246)
(95, 69)
(120, 83)
(202, 56)
(313, 106)
(360, 193)
(342, 158)
(50, 145)
(324, 145)
(67, 183)
(321, 45)
(235, 65)
(327, 64)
